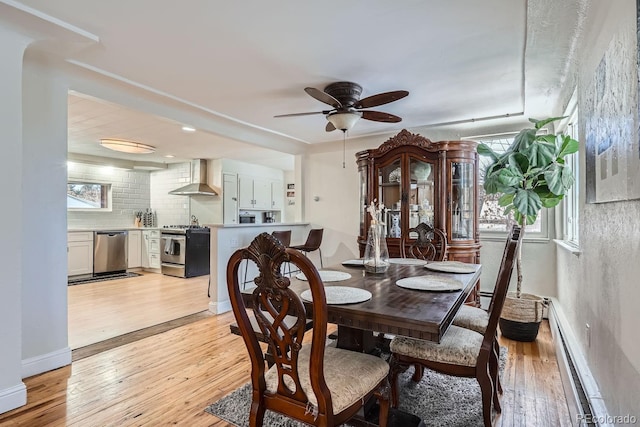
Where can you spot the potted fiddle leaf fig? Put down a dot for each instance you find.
(530, 175)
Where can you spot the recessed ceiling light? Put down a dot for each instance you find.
(188, 129)
(127, 146)
(169, 156)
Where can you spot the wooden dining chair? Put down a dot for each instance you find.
(430, 245)
(313, 242)
(315, 384)
(461, 352)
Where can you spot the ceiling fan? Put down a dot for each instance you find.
(344, 97)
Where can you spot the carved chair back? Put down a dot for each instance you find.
(430, 245)
(272, 301)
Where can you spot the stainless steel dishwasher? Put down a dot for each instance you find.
(109, 252)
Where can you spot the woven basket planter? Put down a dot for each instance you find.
(521, 317)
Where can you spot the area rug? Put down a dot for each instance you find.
(82, 281)
(439, 400)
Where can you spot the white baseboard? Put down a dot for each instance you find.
(46, 362)
(219, 307)
(13, 397)
(568, 351)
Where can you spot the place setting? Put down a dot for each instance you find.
(433, 283)
(451, 267)
(337, 295)
(327, 276)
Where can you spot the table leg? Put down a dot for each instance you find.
(355, 339)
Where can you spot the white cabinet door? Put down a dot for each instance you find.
(150, 249)
(230, 199)
(134, 249)
(79, 258)
(245, 192)
(277, 195)
(262, 194)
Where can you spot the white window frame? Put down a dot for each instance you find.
(569, 232)
(543, 234)
(107, 186)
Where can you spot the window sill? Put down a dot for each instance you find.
(528, 237)
(570, 247)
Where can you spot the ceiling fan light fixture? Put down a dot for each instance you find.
(127, 146)
(344, 121)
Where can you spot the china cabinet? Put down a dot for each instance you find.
(421, 181)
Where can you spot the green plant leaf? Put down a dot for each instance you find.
(553, 178)
(505, 200)
(540, 153)
(510, 177)
(569, 146)
(567, 178)
(539, 124)
(552, 201)
(519, 161)
(523, 140)
(527, 202)
(485, 150)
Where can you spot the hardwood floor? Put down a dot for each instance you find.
(103, 310)
(169, 378)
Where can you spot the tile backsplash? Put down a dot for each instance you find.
(171, 209)
(130, 191)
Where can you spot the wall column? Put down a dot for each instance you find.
(13, 392)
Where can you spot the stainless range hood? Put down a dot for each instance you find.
(198, 186)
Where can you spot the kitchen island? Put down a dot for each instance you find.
(226, 239)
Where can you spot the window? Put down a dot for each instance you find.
(571, 202)
(88, 196)
(492, 218)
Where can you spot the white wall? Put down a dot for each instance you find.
(130, 192)
(600, 287)
(44, 179)
(12, 390)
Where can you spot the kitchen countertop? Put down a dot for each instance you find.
(266, 224)
(71, 230)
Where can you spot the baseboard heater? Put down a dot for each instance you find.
(576, 377)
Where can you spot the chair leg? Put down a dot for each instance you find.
(256, 416)
(383, 402)
(417, 373)
(320, 251)
(486, 387)
(246, 268)
(395, 369)
(496, 353)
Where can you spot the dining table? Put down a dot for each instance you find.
(392, 309)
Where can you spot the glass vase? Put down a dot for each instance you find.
(376, 254)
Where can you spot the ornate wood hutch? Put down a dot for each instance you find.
(423, 181)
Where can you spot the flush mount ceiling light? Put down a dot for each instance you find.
(127, 146)
(344, 121)
(188, 129)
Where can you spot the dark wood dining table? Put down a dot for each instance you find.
(392, 309)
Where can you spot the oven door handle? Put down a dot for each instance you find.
(173, 236)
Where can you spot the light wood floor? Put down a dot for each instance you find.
(168, 379)
(102, 310)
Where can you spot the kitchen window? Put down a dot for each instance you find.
(88, 196)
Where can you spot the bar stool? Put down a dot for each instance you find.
(314, 239)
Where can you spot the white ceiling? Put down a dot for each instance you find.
(459, 59)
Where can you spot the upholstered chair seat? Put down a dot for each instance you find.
(473, 318)
(459, 346)
(349, 375)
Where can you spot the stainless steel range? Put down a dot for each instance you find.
(185, 250)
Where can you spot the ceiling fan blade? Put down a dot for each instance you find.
(330, 127)
(303, 114)
(323, 97)
(381, 99)
(378, 116)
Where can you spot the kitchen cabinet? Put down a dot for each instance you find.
(79, 253)
(277, 195)
(134, 249)
(230, 199)
(256, 193)
(422, 181)
(151, 250)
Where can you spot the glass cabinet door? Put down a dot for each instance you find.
(462, 201)
(390, 194)
(421, 192)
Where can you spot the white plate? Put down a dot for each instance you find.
(340, 295)
(356, 262)
(430, 283)
(451, 267)
(407, 261)
(327, 276)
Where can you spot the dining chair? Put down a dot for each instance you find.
(430, 245)
(461, 352)
(313, 242)
(313, 383)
